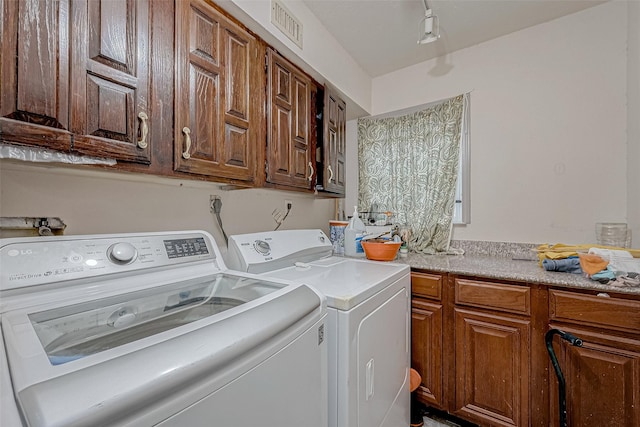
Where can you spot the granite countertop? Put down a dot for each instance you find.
(505, 268)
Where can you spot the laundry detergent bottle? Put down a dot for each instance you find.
(353, 235)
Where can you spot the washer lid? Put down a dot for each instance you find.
(121, 375)
(76, 331)
(345, 282)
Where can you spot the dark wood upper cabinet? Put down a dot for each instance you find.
(34, 73)
(110, 79)
(334, 142)
(105, 78)
(290, 151)
(219, 111)
(75, 76)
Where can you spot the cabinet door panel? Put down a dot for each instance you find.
(114, 102)
(236, 146)
(334, 174)
(340, 175)
(203, 113)
(110, 79)
(301, 167)
(281, 89)
(110, 27)
(215, 80)
(289, 149)
(492, 368)
(237, 150)
(301, 135)
(38, 47)
(302, 105)
(34, 88)
(237, 88)
(281, 145)
(602, 380)
(426, 351)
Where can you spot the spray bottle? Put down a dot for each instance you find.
(353, 235)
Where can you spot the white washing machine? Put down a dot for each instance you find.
(153, 329)
(368, 325)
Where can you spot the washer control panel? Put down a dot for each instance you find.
(35, 261)
(122, 253)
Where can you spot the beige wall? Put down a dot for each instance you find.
(103, 202)
(548, 125)
(633, 119)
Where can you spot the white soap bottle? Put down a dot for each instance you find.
(353, 235)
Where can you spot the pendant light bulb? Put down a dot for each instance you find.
(430, 29)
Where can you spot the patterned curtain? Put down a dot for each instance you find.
(409, 165)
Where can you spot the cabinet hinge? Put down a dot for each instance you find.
(266, 63)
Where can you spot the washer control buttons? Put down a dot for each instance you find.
(122, 253)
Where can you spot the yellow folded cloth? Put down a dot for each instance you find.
(562, 251)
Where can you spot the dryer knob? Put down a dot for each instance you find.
(262, 247)
(122, 253)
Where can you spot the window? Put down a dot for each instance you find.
(462, 210)
(414, 163)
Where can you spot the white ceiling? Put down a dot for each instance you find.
(382, 35)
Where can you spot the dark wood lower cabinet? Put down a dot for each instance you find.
(479, 347)
(491, 368)
(602, 380)
(426, 355)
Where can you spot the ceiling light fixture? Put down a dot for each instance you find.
(431, 26)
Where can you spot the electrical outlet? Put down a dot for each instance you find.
(212, 199)
(288, 203)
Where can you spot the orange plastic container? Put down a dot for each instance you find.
(380, 250)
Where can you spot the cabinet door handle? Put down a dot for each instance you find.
(187, 143)
(330, 173)
(144, 129)
(603, 295)
(310, 172)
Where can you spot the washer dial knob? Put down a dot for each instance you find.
(262, 247)
(122, 253)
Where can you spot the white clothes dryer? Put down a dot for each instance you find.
(153, 329)
(368, 323)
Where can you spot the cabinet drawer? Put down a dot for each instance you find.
(503, 297)
(594, 310)
(426, 285)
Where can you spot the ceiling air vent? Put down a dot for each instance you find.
(282, 18)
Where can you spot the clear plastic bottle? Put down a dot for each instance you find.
(353, 235)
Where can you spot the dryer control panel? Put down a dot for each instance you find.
(45, 260)
(271, 250)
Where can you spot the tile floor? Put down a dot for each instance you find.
(433, 418)
(430, 422)
(438, 422)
